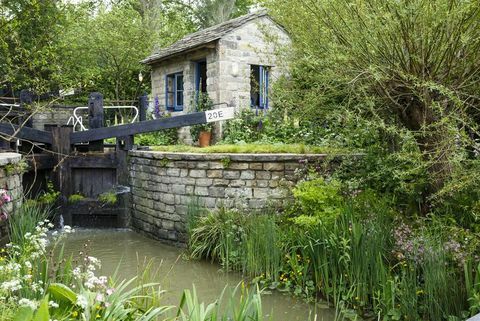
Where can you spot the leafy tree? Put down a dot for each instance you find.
(29, 44)
(407, 68)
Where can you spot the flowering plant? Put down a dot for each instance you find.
(4, 198)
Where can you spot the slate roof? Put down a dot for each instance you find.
(202, 37)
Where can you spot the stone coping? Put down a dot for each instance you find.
(253, 157)
(9, 158)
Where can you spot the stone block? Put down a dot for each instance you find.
(216, 191)
(236, 183)
(261, 183)
(168, 199)
(261, 193)
(215, 165)
(238, 166)
(168, 225)
(263, 175)
(220, 182)
(178, 189)
(278, 175)
(202, 165)
(274, 166)
(173, 172)
(203, 182)
(198, 173)
(228, 174)
(201, 191)
(248, 174)
(215, 173)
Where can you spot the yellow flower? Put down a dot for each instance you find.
(98, 316)
(74, 314)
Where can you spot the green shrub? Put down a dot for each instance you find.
(319, 202)
(108, 198)
(74, 198)
(25, 221)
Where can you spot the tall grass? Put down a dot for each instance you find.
(349, 263)
(242, 305)
(25, 220)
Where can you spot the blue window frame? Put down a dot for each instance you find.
(259, 86)
(174, 91)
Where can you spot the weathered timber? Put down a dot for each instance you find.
(95, 119)
(40, 161)
(107, 160)
(26, 133)
(143, 107)
(138, 128)
(62, 173)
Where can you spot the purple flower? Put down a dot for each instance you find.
(3, 216)
(157, 107)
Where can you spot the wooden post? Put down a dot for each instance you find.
(62, 173)
(26, 98)
(143, 107)
(95, 119)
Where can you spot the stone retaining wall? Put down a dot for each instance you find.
(163, 185)
(11, 181)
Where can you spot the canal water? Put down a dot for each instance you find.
(124, 251)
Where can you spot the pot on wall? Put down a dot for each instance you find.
(204, 138)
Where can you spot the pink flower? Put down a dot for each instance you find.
(3, 216)
(7, 198)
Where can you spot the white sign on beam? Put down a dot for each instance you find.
(220, 114)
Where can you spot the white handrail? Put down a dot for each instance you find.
(79, 119)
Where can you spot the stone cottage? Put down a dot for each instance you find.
(233, 62)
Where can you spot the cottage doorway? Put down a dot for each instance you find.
(201, 76)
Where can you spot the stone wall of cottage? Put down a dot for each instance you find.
(184, 63)
(228, 67)
(258, 42)
(11, 181)
(164, 184)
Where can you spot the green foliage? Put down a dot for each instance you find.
(226, 161)
(25, 220)
(250, 149)
(202, 102)
(164, 137)
(109, 198)
(16, 168)
(49, 197)
(247, 308)
(321, 202)
(370, 74)
(365, 261)
(74, 198)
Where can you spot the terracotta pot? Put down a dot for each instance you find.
(204, 138)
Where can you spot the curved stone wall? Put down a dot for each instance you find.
(11, 181)
(163, 184)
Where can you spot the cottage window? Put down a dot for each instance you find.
(174, 91)
(259, 86)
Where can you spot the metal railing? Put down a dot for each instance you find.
(77, 120)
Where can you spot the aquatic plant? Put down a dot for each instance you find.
(109, 198)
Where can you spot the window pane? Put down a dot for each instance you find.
(170, 100)
(179, 98)
(170, 81)
(255, 85)
(179, 81)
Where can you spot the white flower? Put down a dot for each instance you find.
(28, 303)
(53, 304)
(12, 285)
(82, 301)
